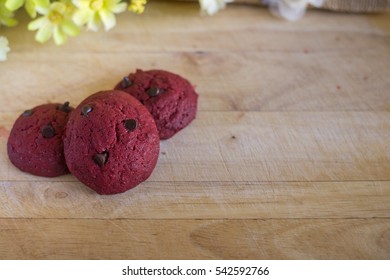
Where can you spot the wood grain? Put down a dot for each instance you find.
(198, 200)
(195, 239)
(289, 157)
(305, 66)
(268, 146)
(226, 81)
(167, 27)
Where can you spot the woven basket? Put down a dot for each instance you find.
(357, 6)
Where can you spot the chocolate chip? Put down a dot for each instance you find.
(64, 107)
(100, 159)
(131, 124)
(154, 91)
(86, 109)
(126, 82)
(27, 113)
(47, 131)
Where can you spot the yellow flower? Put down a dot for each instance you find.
(137, 6)
(6, 16)
(4, 48)
(95, 12)
(56, 21)
(29, 5)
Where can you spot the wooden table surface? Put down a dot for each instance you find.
(289, 157)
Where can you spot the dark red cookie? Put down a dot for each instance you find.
(170, 98)
(35, 142)
(111, 142)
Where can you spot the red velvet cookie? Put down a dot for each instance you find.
(111, 142)
(170, 98)
(35, 142)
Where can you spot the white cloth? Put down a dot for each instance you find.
(291, 9)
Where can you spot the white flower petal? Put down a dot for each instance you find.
(13, 5)
(36, 24)
(44, 33)
(317, 3)
(294, 4)
(291, 9)
(3, 56)
(30, 8)
(211, 7)
(59, 7)
(81, 17)
(94, 23)
(43, 10)
(119, 8)
(41, 3)
(70, 28)
(3, 43)
(81, 3)
(4, 48)
(108, 19)
(59, 36)
(292, 12)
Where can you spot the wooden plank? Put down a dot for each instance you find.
(265, 147)
(195, 239)
(198, 200)
(178, 27)
(225, 81)
(318, 63)
(289, 157)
